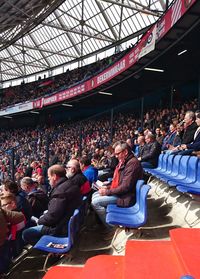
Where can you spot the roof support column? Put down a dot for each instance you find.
(118, 48)
(199, 92)
(82, 23)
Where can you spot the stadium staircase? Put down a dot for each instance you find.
(174, 258)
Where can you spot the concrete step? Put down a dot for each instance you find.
(151, 259)
(186, 244)
(104, 267)
(71, 272)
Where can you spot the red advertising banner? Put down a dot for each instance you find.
(156, 32)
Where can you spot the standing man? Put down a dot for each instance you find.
(65, 197)
(123, 188)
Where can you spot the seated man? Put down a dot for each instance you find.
(151, 152)
(75, 175)
(190, 127)
(122, 189)
(88, 170)
(36, 197)
(187, 149)
(65, 197)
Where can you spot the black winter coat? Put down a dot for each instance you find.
(64, 199)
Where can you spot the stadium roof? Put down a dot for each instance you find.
(38, 35)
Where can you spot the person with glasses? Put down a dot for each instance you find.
(64, 198)
(123, 186)
(75, 175)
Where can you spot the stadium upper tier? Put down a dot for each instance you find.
(47, 87)
(88, 80)
(40, 35)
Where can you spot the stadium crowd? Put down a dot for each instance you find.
(78, 153)
(48, 86)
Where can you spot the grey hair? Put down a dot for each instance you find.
(191, 114)
(27, 180)
(123, 145)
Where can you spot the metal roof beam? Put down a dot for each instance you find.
(147, 7)
(11, 68)
(89, 26)
(2, 59)
(41, 53)
(145, 10)
(14, 60)
(44, 50)
(106, 19)
(78, 31)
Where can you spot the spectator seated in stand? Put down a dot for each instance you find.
(190, 128)
(169, 138)
(151, 152)
(112, 163)
(123, 187)
(7, 218)
(64, 198)
(90, 172)
(36, 197)
(187, 149)
(22, 203)
(9, 202)
(75, 176)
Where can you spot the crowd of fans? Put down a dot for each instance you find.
(91, 138)
(77, 154)
(45, 87)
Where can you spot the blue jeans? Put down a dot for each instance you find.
(32, 235)
(99, 203)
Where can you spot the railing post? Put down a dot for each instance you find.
(198, 105)
(111, 125)
(13, 164)
(80, 140)
(47, 151)
(142, 112)
(171, 99)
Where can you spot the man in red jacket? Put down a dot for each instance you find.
(123, 187)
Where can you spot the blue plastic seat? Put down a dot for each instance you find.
(175, 169)
(182, 172)
(128, 210)
(159, 167)
(168, 168)
(192, 188)
(192, 172)
(82, 211)
(131, 220)
(163, 165)
(65, 243)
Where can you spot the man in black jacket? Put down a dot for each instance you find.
(36, 197)
(151, 152)
(65, 197)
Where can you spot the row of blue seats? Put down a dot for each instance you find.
(178, 171)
